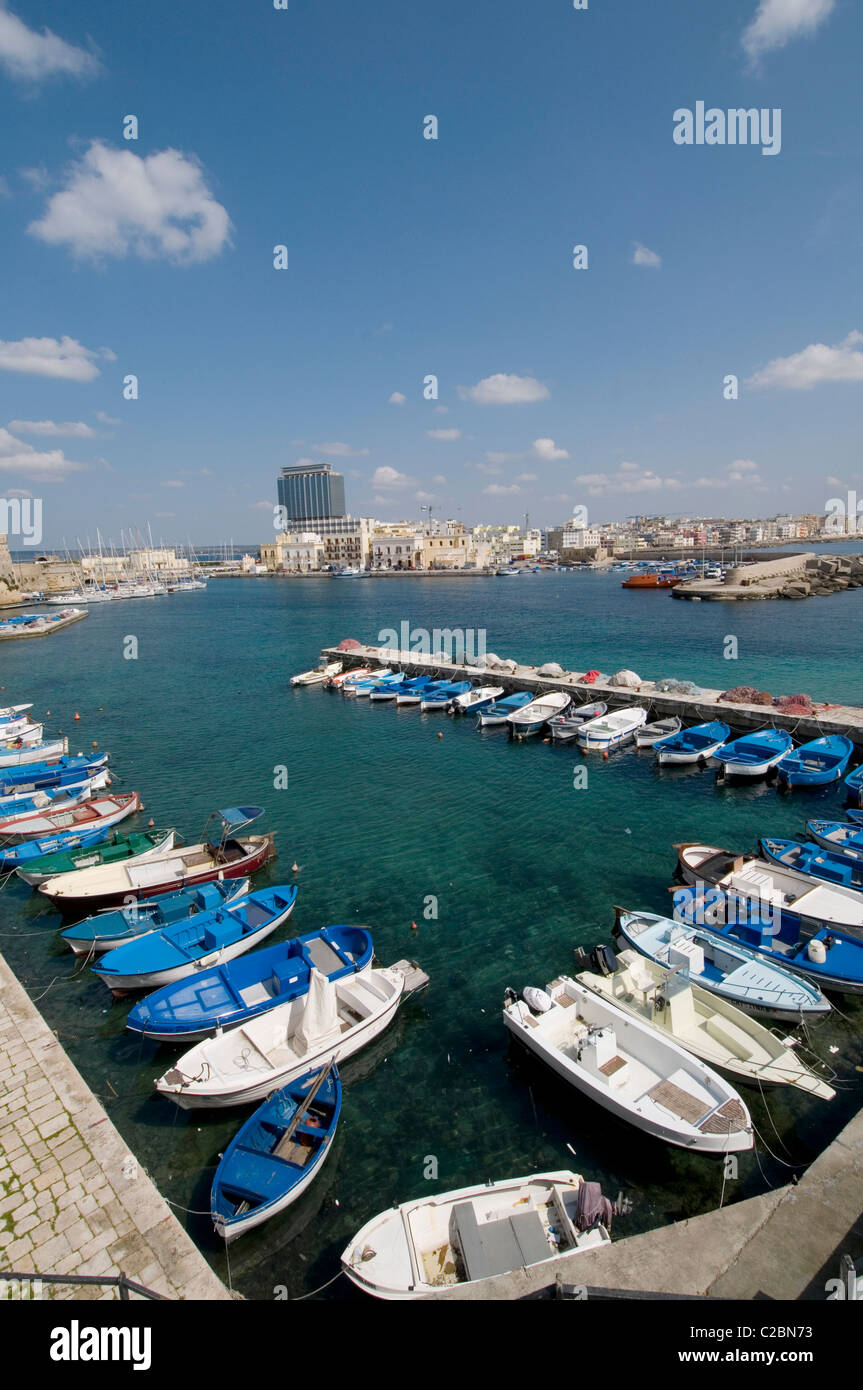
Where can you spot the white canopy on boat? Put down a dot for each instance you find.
(320, 1022)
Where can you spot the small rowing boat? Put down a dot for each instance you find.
(817, 763)
(611, 730)
(530, 718)
(500, 710)
(40, 752)
(651, 734)
(89, 815)
(60, 773)
(753, 755)
(275, 1156)
(440, 698)
(476, 699)
(564, 727)
(318, 675)
(697, 744)
(413, 692)
(111, 847)
(854, 784)
(845, 837)
(105, 930)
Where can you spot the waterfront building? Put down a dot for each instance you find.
(293, 552)
(400, 551)
(311, 492)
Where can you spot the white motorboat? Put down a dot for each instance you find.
(329, 1023)
(530, 718)
(318, 675)
(610, 730)
(49, 751)
(480, 697)
(357, 673)
(708, 1026)
(435, 1245)
(629, 1068)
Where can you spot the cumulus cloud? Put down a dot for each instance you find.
(389, 477)
(813, 366)
(445, 435)
(642, 255)
(117, 203)
(547, 450)
(29, 56)
(505, 389)
(16, 456)
(62, 358)
(777, 22)
(106, 419)
(526, 478)
(439, 479)
(424, 496)
(173, 482)
(72, 429)
(397, 398)
(628, 478)
(501, 489)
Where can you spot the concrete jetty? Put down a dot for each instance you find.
(692, 709)
(785, 1244)
(788, 577)
(73, 1200)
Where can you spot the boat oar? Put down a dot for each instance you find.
(303, 1109)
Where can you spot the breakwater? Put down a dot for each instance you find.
(790, 577)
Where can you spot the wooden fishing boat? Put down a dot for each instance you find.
(112, 847)
(854, 785)
(724, 967)
(208, 938)
(105, 930)
(651, 734)
(276, 1155)
(328, 1024)
(564, 727)
(829, 959)
(435, 1245)
(531, 717)
(226, 995)
(810, 903)
(18, 732)
(651, 581)
(813, 859)
(413, 692)
(629, 1067)
(388, 690)
(89, 815)
(815, 764)
(476, 699)
(362, 690)
(41, 752)
(753, 755)
(107, 885)
(611, 730)
(500, 710)
(846, 837)
(704, 1024)
(318, 675)
(53, 798)
(14, 711)
(61, 772)
(356, 673)
(440, 698)
(694, 745)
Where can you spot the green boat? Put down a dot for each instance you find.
(114, 849)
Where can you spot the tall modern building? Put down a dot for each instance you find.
(311, 492)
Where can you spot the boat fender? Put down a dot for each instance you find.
(816, 951)
(537, 1000)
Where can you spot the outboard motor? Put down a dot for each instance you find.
(582, 959)
(604, 959)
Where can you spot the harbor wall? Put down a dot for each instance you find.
(768, 569)
(73, 1199)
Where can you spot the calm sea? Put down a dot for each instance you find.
(381, 815)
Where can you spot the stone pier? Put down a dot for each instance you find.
(73, 1200)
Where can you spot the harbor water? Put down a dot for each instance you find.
(481, 858)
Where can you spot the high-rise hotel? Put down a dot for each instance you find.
(311, 492)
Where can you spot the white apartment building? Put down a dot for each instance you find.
(398, 552)
(293, 552)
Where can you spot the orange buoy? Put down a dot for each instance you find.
(151, 821)
(77, 715)
(414, 926)
(605, 757)
(440, 735)
(95, 744)
(295, 868)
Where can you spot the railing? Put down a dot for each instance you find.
(107, 1281)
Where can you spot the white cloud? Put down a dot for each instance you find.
(446, 435)
(397, 398)
(117, 203)
(5, 190)
(62, 358)
(439, 479)
(262, 506)
(339, 450)
(777, 22)
(526, 478)
(547, 450)
(816, 364)
(29, 56)
(424, 496)
(491, 468)
(106, 419)
(173, 482)
(389, 477)
(629, 478)
(505, 389)
(500, 490)
(642, 255)
(16, 456)
(51, 429)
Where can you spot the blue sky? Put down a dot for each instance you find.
(408, 257)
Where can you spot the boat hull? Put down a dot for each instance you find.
(122, 984)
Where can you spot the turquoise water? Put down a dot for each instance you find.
(380, 814)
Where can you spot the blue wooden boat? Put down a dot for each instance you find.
(845, 837)
(371, 683)
(816, 763)
(39, 776)
(499, 712)
(209, 938)
(226, 995)
(827, 958)
(753, 755)
(51, 799)
(413, 692)
(439, 699)
(15, 856)
(814, 860)
(114, 927)
(694, 745)
(724, 966)
(277, 1153)
(854, 784)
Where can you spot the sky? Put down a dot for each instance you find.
(601, 385)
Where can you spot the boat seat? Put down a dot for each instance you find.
(322, 956)
(291, 1151)
(729, 1036)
